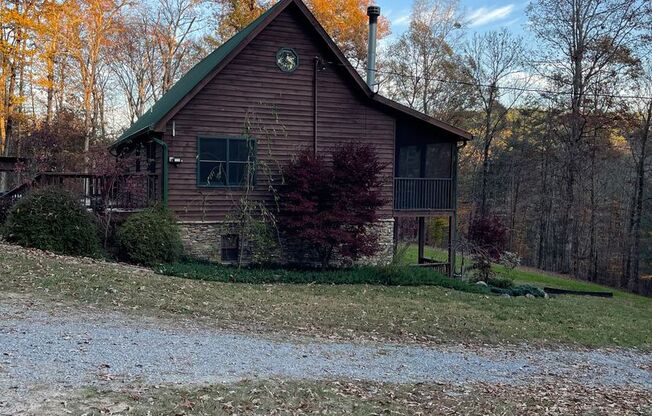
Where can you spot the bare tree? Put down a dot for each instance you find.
(584, 41)
(495, 60)
(422, 69)
(639, 144)
(176, 22)
(132, 64)
(93, 26)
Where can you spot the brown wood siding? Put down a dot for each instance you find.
(279, 107)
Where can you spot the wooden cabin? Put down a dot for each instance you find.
(283, 83)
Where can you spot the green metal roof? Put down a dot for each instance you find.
(193, 77)
(200, 71)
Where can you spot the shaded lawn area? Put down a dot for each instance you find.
(519, 275)
(356, 398)
(419, 313)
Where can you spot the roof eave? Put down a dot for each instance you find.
(123, 140)
(462, 134)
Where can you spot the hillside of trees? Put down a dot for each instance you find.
(561, 116)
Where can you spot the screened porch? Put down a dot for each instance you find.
(424, 181)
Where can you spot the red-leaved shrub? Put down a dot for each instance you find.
(328, 206)
(489, 235)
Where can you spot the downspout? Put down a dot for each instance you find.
(314, 104)
(164, 170)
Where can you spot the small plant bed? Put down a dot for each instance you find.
(522, 290)
(502, 285)
(551, 284)
(364, 275)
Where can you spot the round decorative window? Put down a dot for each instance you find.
(287, 59)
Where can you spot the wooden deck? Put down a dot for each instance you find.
(125, 193)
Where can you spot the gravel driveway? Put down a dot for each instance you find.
(71, 348)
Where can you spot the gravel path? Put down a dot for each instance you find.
(75, 348)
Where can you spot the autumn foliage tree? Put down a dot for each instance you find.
(345, 21)
(234, 15)
(328, 207)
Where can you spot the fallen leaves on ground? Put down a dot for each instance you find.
(279, 397)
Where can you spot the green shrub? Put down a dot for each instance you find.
(149, 237)
(52, 219)
(522, 290)
(501, 282)
(386, 275)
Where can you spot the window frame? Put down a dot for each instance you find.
(251, 160)
(229, 249)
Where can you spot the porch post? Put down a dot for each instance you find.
(422, 239)
(164, 170)
(452, 219)
(452, 242)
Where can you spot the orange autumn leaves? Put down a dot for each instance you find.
(345, 21)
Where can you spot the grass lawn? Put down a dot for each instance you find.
(421, 313)
(519, 275)
(356, 398)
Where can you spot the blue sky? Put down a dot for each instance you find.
(482, 15)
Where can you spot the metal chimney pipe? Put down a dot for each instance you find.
(373, 12)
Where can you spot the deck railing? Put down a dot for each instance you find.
(97, 192)
(423, 194)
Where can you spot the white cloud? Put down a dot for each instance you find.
(402, 20)
(512, 22)
(484, 15)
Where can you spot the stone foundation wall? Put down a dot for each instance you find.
(203, 240)
(385, 231)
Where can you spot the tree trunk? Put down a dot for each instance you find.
(3, 103)
(627, 266)
(488, 137)
(632, 284)
(542, 213)
(569, 226)
(512, 231)
(592, 250)
(50, 91)
(10, 101)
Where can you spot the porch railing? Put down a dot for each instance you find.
(97, 192)
(423, 194)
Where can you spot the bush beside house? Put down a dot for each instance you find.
(53, 219)
(329, 207)
(150, 237)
